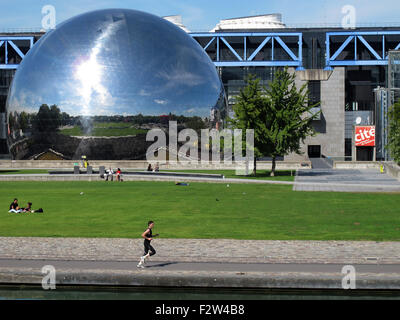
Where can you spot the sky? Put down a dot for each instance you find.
(203, 15)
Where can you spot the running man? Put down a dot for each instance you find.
(148, 249)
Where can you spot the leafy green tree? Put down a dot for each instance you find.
(195, 123)
(65, 119)
(288, 117)
(23, 120)
(250, 104)
(48, 119)
(55, 116)
(280, 115)
(394, 131)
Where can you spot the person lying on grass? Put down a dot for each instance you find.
(28, 208)
(15, 209)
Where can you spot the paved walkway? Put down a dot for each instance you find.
(194, 250)
(366, 180)
(202, 263)
(336, 180)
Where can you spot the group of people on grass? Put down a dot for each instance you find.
(110, 174)
(155, 169)
(14, 208)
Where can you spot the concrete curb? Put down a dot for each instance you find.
(251, 280)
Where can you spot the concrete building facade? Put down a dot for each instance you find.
(330, 129)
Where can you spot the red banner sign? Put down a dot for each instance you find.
(365, 136)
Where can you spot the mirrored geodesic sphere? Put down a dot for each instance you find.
(97, 83)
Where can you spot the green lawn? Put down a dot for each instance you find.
(23, 171)
(101, 129)
(200, 210)
(281, 175)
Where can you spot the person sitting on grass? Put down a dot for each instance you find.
(119, 175)
(149, 168)
(14, 206)
(109, 174)
(28, 208)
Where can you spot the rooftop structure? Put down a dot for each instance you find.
(265, 21)
(177, 20)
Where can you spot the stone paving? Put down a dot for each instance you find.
(336, 180)
(204, 250)
(367, 180)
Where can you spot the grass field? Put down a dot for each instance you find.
(282, 175)
(200, 210)
(23, 171)
(101, 129)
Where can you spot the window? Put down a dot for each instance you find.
(314, 88)
(348, 148)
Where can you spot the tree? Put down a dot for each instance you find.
(250, 104)
(65, 119)
(195, 123)
(288, 116)
(55, 116)
(23, 120)
(280, 115)
(47, 119)
(394, 131)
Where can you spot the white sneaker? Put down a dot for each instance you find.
(140, 265)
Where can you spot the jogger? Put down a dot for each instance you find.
(148, 248)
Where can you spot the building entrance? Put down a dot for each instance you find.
(365, 153)
(314, 151)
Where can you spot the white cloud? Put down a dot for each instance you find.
(190, 111)
(159, 101)
(144, 93)
(178, 75)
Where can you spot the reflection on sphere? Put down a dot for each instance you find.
(95, 85)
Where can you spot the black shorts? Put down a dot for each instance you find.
(148, 247)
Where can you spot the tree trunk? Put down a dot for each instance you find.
(255, 166)
(273, 166)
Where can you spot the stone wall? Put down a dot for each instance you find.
(392, 169)
(357, 165)
(141, 164)
(331, 127)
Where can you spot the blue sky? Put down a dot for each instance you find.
(203, 15)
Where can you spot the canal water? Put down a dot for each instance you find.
(114, 293)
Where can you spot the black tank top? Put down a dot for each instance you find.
(149, 234)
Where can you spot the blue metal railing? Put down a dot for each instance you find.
(336, 59)
(247, 57)
(289, 43)
(6, 43)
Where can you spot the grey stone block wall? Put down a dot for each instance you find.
(332, 124)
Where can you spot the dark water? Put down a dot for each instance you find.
(103, 293)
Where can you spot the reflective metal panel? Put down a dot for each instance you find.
(98, 82)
